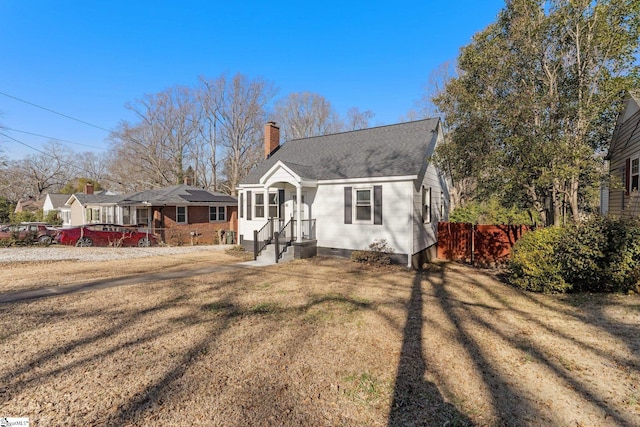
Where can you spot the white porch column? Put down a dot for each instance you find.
(266, 202)
(299, 213)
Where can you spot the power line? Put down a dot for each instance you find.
(54, 112)
(57, 159)
(54, 138)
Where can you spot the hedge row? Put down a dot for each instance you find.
(598, 255)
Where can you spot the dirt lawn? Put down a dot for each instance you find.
(322, 342)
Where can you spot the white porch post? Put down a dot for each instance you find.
(299, 213)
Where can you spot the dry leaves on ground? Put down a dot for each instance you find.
(318, 342)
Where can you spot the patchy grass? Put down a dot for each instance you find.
(315, 342)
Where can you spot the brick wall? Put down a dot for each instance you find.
(198, 230)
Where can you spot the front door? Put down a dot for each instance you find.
(291, 207)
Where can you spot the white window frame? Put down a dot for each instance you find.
(216, 210)
(356, 205)
(426, 204)
(273, 205)
(125, 213)
(257, 205)
(186, 217)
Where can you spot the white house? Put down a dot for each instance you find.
(56, 202)
(354, 187)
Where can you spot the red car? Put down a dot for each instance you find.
(29, 232)
(105, 235)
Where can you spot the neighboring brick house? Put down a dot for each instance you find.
(622, 197)
(185, 214)
(180, 214)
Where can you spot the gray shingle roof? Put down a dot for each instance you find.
(97, 198)
(394, 150)
(177, 195)
(58, 200)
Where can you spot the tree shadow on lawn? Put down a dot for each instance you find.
(417, 402)
(506, 398)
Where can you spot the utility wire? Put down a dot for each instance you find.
(54, 112)
(57, 159)
(51, 137)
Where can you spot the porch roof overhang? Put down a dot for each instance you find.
(281, 172)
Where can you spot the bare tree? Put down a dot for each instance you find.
(242, 115)
(93, 166)
(152, 152)
(357, 119)
(35, 175)
(210, 96)
(305, 114)
(435, 86)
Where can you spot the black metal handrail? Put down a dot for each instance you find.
(285, 237)
(261, 238)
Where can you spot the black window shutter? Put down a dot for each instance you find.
(281, 203)
(347, 205)
(249, 205)
(377, 204)
(240, 205)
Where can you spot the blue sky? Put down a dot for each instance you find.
(87, 59)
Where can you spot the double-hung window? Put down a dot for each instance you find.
(217, 213)
(273, 205)
(634, 174)
(181, 214)
(362, 206)
(259, 205)
(426, 204)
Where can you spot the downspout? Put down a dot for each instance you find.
(412, 224)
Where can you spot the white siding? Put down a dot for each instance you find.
(332, 232)
(425, 234)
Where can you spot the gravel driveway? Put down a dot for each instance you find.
(61, 253)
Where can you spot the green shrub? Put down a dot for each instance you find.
(492, 212)
(582, 252)
(622, 267)
(598, 255)
(533, 265)
(378, 253)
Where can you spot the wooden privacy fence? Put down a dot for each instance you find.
(477, 244)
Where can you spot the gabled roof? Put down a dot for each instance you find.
(630, 109)
(58, 200)
(98, 198)
(393, 150)
(177, 195)
(29, 205)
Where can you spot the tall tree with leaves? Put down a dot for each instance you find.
(536, 98)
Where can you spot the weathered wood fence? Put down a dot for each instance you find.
(477, 244)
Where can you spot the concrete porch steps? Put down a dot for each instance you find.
(268, 256)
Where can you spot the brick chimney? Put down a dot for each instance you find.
(271, 138)
(88, 188)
